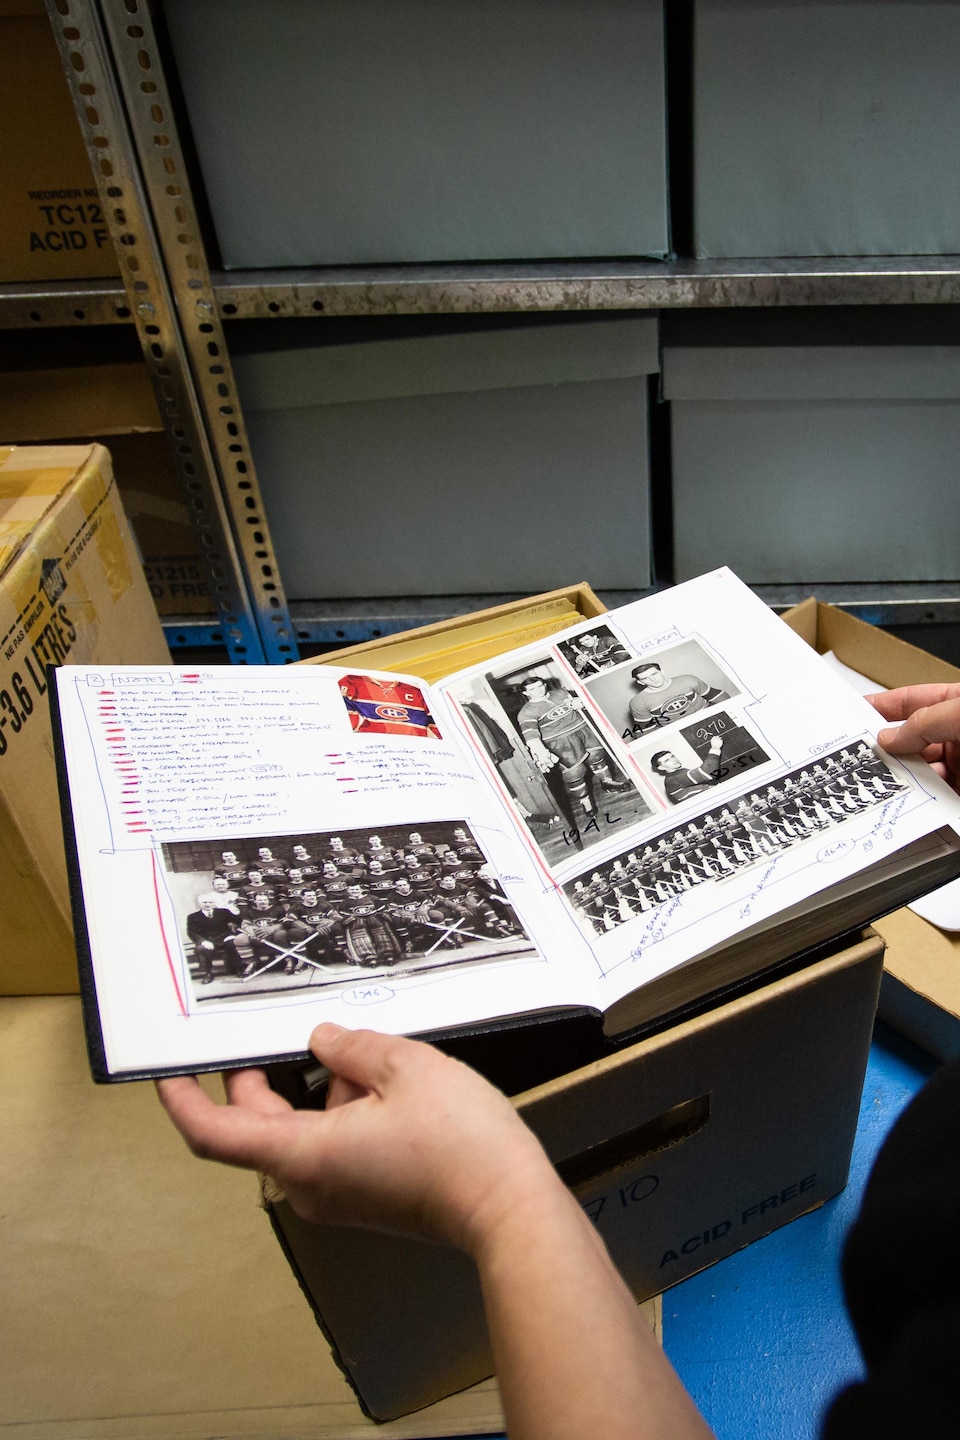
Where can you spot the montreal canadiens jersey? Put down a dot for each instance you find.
(684, 695)
(386, 707)
(558, 714)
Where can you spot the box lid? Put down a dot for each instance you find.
(293, 376)
(812, 372)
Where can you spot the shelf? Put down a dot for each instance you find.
(569, 285)
(587, 285)
(37, 304)
(348, 622)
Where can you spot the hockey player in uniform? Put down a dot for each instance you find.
(556, 731)
(662, 700)
(408, 916)
(389, 859)
(476, 908)
(256, 885)
(319, 925)
(369, 938)
(592, 652)
(680, 784)
(422, 880)
(379, 882)
(350, 863)
(272, 869)
(230, 868)
(425, 853)
(465, 847)
(256, 931)
(294, 887)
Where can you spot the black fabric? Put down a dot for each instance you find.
(901, 1276)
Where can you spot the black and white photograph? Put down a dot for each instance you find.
(698, 758)
(661, 689)
(293, 912)
(593, 651)
(566, 784)
(807, 803)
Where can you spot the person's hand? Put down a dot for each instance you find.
(410, 1141)
(930, 728)
(716, 744)
(543, 758)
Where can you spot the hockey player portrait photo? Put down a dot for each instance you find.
(287, 913)
(593, 651)
(699, 757)
(661, 689)
(565, 782)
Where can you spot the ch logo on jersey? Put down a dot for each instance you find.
(677, 707)
(557, 712)
(392, 712)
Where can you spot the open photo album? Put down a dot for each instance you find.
(618, 817)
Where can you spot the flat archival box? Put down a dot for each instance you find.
(620, 818)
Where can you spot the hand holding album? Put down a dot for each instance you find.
(410, 1140)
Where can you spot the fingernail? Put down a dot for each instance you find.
(327, 1033)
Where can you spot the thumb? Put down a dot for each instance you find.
(364, 1057)
(930, 725)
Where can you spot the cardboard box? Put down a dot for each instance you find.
(71, 589)
(360, 131)
(825, 128)
(920, 995)
(682, 1149)
(51, 219)
(99, 392)
(790, 459)
(451, 456)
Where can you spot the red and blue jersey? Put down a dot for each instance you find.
(386, 707)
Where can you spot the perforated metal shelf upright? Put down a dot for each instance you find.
(112, 65)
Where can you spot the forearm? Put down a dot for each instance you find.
(574, 1355)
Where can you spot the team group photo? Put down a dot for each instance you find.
(295, 912)
(805, 805)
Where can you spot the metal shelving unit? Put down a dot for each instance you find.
(178, 305)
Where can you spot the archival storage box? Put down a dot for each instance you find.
(452, 456)
(51, 221)
(825, 127)
(365, 132)
(97, 388)
(920, 994)
(681, 1148)
(791, 459)
(71, 589)
(376, 653)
